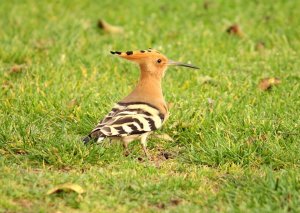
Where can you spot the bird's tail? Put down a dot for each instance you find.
(95, 136)
(87, 139)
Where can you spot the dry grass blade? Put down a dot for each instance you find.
(72, 103)
(164, 137)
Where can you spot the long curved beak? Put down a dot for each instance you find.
(175, 63)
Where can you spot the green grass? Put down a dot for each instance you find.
(239, 155)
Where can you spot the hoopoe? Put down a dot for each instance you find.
(144, 110)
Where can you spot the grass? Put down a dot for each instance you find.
(239, 154)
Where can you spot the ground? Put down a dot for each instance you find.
(235, 146)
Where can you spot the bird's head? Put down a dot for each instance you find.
(151, 61)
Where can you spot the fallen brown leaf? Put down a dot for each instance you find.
(66, 187)
(235, 30)
(108, 28)
(268, 83)
(17, 68)
(175, 202)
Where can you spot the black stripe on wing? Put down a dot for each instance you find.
(129, 119)
(161, 115)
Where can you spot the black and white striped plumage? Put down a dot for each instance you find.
(127, 119)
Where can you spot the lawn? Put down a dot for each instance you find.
(235, 147)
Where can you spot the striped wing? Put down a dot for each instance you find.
(129, 119)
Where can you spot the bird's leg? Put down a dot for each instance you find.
(125, 145)
(144, 145)
(146, 151)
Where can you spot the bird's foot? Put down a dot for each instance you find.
(148, 157)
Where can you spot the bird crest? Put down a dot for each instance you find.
(137, 54)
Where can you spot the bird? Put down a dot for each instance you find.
(144, 110)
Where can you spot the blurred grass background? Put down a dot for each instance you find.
(235, 148)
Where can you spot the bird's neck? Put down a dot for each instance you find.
(148, 90)
(149, 85)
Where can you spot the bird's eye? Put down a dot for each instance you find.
(159, 60)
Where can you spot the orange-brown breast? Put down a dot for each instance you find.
(148, 90)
